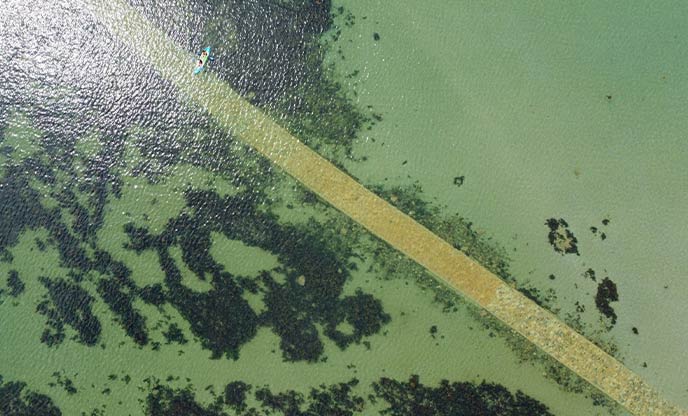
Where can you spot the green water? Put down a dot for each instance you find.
(461, 349)
(512, 97)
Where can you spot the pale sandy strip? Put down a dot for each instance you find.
(380, 218)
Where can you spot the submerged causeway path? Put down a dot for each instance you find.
(448, 264)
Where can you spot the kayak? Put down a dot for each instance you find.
(203, 61)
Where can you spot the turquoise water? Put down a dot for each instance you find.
(267, 285)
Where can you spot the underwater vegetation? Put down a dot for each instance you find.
(220, 318)
(280, 67)
(68, 304)
(460, 232)
(20, 208)
(17, 400)
(273, 44)
(458, 398)
(311, 293)
(174, 334)
(271, 51)
(65, 382)
(274, 54)
(14, 283)
(598, 232)
(235, 395)
(336, 399)
(67, 192)
(606, 293)
(391, 397)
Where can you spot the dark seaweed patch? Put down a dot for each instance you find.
(299, 339)
(15, 284)
(458, 398)
(336, 399)
(315, 262)
(607, 293)
(72, 228)
(533, 294)
(174, 334)
(454, 229)
(401, 398)
(16, 401)
(235, 395)
(65, 382)
(20, 207)
(68, 304)
(273, 42)
(363, 312)
(120, 301)
(221, 318)
(163, 401)
(596, 232)
(153, 294)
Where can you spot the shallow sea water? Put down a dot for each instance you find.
(514, 99)
(548, 111)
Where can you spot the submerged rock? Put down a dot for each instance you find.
(561, 238)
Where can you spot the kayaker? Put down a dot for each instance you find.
(203, 59)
